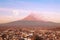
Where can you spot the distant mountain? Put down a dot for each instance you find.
(32, 24)
(31, 21)
(32, 17)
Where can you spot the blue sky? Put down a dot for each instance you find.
(50, 9)
(29, 3)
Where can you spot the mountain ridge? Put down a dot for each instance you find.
(30, 21)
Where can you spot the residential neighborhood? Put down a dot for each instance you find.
(29, 35)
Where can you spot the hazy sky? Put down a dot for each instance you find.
(11, 10)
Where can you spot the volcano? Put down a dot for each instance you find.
(31, 17)
(31, 21)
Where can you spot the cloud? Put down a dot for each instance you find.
(7, 14)
(14, 12)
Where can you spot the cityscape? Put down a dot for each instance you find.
(29, 19)
(25, 34)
